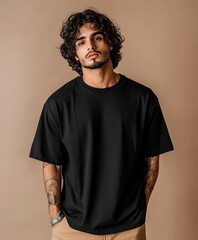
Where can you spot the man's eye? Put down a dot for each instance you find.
(98, 38)
(80, 43)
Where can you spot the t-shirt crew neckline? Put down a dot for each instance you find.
(90, 88)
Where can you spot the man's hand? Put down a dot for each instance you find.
(152, 164)
(52, 181)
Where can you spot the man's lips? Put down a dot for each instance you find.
(92, 54)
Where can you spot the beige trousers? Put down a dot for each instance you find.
(62, 231)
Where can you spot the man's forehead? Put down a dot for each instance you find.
(87, 29)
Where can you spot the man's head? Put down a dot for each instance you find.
(90, 40)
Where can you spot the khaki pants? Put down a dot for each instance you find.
(62, 231)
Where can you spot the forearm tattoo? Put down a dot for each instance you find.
(53, 191)
(152, 169)
(53, 186)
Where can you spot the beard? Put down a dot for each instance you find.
(97, 64)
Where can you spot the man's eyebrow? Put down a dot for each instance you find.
(80, 38)
(93, 34)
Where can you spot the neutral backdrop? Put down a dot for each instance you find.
(160, 51)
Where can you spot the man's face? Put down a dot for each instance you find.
(91, 50)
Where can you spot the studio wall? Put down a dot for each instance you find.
(160, 51)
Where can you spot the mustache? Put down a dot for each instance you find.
(91, 52)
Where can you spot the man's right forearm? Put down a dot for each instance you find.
(52, 181)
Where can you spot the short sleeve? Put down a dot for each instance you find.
(156, 135)
(47, 145)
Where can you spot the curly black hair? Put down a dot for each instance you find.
(70, 30)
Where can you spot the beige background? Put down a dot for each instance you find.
(160, 51)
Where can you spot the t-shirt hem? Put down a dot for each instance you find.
(42, 158)
(158, 152)
(115, 229)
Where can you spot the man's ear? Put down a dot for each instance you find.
(77, 59)
(110, 48)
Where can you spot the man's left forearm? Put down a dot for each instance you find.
(152, 170)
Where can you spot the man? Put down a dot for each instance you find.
(99, 137)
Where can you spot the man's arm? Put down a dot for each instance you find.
(52, 181)
(152, 164)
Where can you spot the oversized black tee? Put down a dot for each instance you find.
(101, 136)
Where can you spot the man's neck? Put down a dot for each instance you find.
(100, 77)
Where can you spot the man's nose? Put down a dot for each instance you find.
(91, 45)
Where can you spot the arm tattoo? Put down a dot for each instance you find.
(152, 169)
(53, 190)
(53, 186)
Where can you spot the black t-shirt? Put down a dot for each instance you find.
(100, 136)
